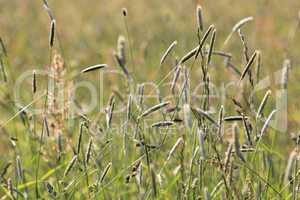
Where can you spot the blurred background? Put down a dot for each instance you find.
(89, 30)
(87, 33)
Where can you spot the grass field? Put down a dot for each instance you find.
(132, 99)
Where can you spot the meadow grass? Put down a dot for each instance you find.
(189, 113)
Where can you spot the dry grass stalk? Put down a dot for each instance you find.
(203, 40)
(211, 46)
(199, 113)
(263, 104)
(186, 86)
(2, 68)
(120, 56)
(238, 26)
(140, 95)
(266, 124)
(93, 68)
(89, 151)
(70, 165)
(236, 141)
(220, 122)
(188, 122)
(285, 73)
(247, 129)
(199, 18)
(234, 68)
(124, 12)
(288, 177)
(56, 108)
(235, 118)
(177, 143)
(217, 188)
(46, 126)
(129, 108)
(33, 82)
(19, 169)
(228, 156)
(258, 66)
(248, 65)
(47, 8)
(246, 49)
(190, 54)
(4, 51)
(121, 49)
(206, 194)
(163, 124)
(201, 144)
(79, 138)
(241, 23)
(5, 169)
(219, 53)
(52, 33)
(105, 172)
(167, 52)
(60, 149)
(10, 188)
(175, 79)
(153, 109)
(110, 110)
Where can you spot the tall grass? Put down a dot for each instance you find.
(179, 143)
